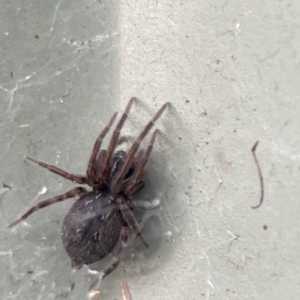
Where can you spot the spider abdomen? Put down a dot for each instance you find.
(91, 228)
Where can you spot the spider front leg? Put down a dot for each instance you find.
(100, 163)
(115, 140)
(135, 183)
(134, 148)
(92, 166)
(70, 194)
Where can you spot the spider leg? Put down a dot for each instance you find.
(135, 182)
(91, 170)
(129, 218)
(131, 173)
(58, 171)
(70, 194)
(114, 141)
(124, 237)
(134, 148)
(100, 162)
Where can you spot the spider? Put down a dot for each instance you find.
(99, 218)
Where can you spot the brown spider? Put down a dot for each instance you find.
(99, 217)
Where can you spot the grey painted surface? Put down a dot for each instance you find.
(231, 71)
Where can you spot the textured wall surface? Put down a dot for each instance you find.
(230, 70)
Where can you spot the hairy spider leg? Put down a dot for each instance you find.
(131, 173)
(120, 176)
(123, 244)
(91, 170)
(70, 194)
(129, 218)
(135, 183)
(100, 162)
(114, 141)
(58, 171)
